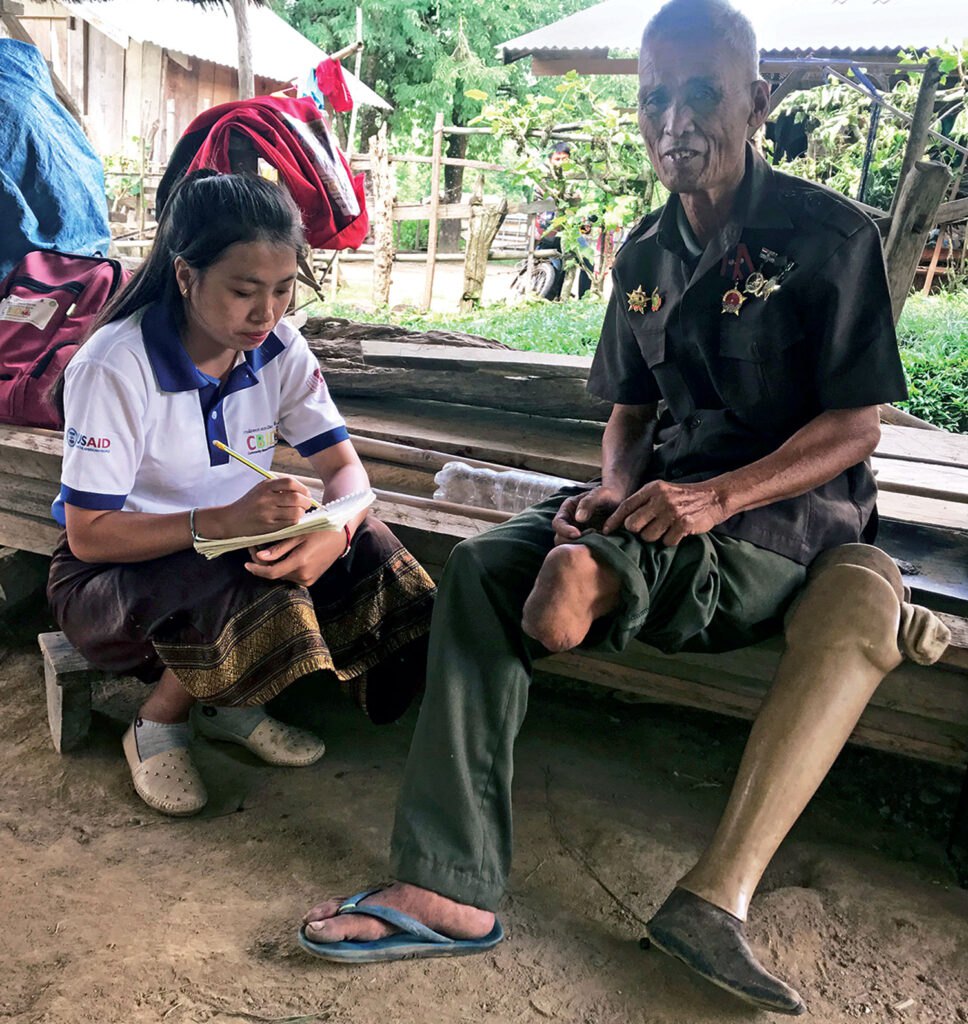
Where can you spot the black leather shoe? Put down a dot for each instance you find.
(712, 943)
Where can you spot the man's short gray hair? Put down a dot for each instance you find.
(707, 19)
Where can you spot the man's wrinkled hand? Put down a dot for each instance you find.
(667, 511)
(582, 512)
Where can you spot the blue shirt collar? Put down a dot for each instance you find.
(172, 366)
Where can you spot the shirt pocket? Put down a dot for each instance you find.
(650, 334)
(764, 365)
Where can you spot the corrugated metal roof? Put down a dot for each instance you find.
(802, 26)
(279, 52)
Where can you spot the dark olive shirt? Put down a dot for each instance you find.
(734, 388)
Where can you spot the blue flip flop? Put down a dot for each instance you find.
(415, 940)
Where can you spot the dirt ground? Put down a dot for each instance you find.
(112, 913)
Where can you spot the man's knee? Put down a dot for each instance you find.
(851, 601)
(863, 555)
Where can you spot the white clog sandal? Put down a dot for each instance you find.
(167, 782)
(272, 741)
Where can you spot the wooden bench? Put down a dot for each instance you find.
(919, 712)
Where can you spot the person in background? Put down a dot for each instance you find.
(547, 231)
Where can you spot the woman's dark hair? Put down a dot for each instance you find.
(205, 213)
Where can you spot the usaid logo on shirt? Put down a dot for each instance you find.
(75, 439)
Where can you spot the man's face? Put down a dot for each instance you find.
(559, 158)
(696, 110)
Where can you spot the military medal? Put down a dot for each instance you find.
(638, 300)
(741, 264)
(733, 301)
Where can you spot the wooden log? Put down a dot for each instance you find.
(381, 216)
(920, 126)
(322, 331)
(953, 211)
(900, 418)
(484, 224)
(491, 390)
(434, 207)
(917, 206)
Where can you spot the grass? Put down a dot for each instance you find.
(933, 336)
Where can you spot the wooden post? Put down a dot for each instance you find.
(381, 216)
(917, 206)
(920, 125)
(933, 266)
(351, 132)
(434, 206)
(350, 135)
(246, 75)
(484, 222)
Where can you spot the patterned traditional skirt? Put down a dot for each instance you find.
(235, 639)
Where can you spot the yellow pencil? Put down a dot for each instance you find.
(245, 462)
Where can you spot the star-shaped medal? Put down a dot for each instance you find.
(733, 301)
(638, 300)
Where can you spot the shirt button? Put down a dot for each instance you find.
(214, 415)
(693, 422)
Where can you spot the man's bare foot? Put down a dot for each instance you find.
(455, 920)
(572, 590)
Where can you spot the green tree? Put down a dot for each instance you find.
(424, 55)
(837, 117)
(608, 176)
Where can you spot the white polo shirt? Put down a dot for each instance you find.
(140, 417)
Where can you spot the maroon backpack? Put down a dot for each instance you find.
(47, 304)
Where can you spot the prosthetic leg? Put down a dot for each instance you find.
(842, 638)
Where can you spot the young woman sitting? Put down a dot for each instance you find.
(192, 351)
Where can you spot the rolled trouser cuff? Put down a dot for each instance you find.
(621, 553)
(470, 889)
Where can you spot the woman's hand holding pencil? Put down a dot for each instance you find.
(271, 504)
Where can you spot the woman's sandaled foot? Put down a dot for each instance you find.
(272, 741)
(162, 770)
(571, 591)
(324, 923)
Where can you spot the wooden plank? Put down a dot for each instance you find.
(880, 728)
(930, 447)
(470, 359)
(570, 449)
(934, 693)
(933, 562)
(953, 211)
(28, 533)
(946, 483)
(908, 508)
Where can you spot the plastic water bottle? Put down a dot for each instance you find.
(511, 490)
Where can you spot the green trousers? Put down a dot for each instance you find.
(452, 832)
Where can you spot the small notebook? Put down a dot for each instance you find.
(328, 517)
